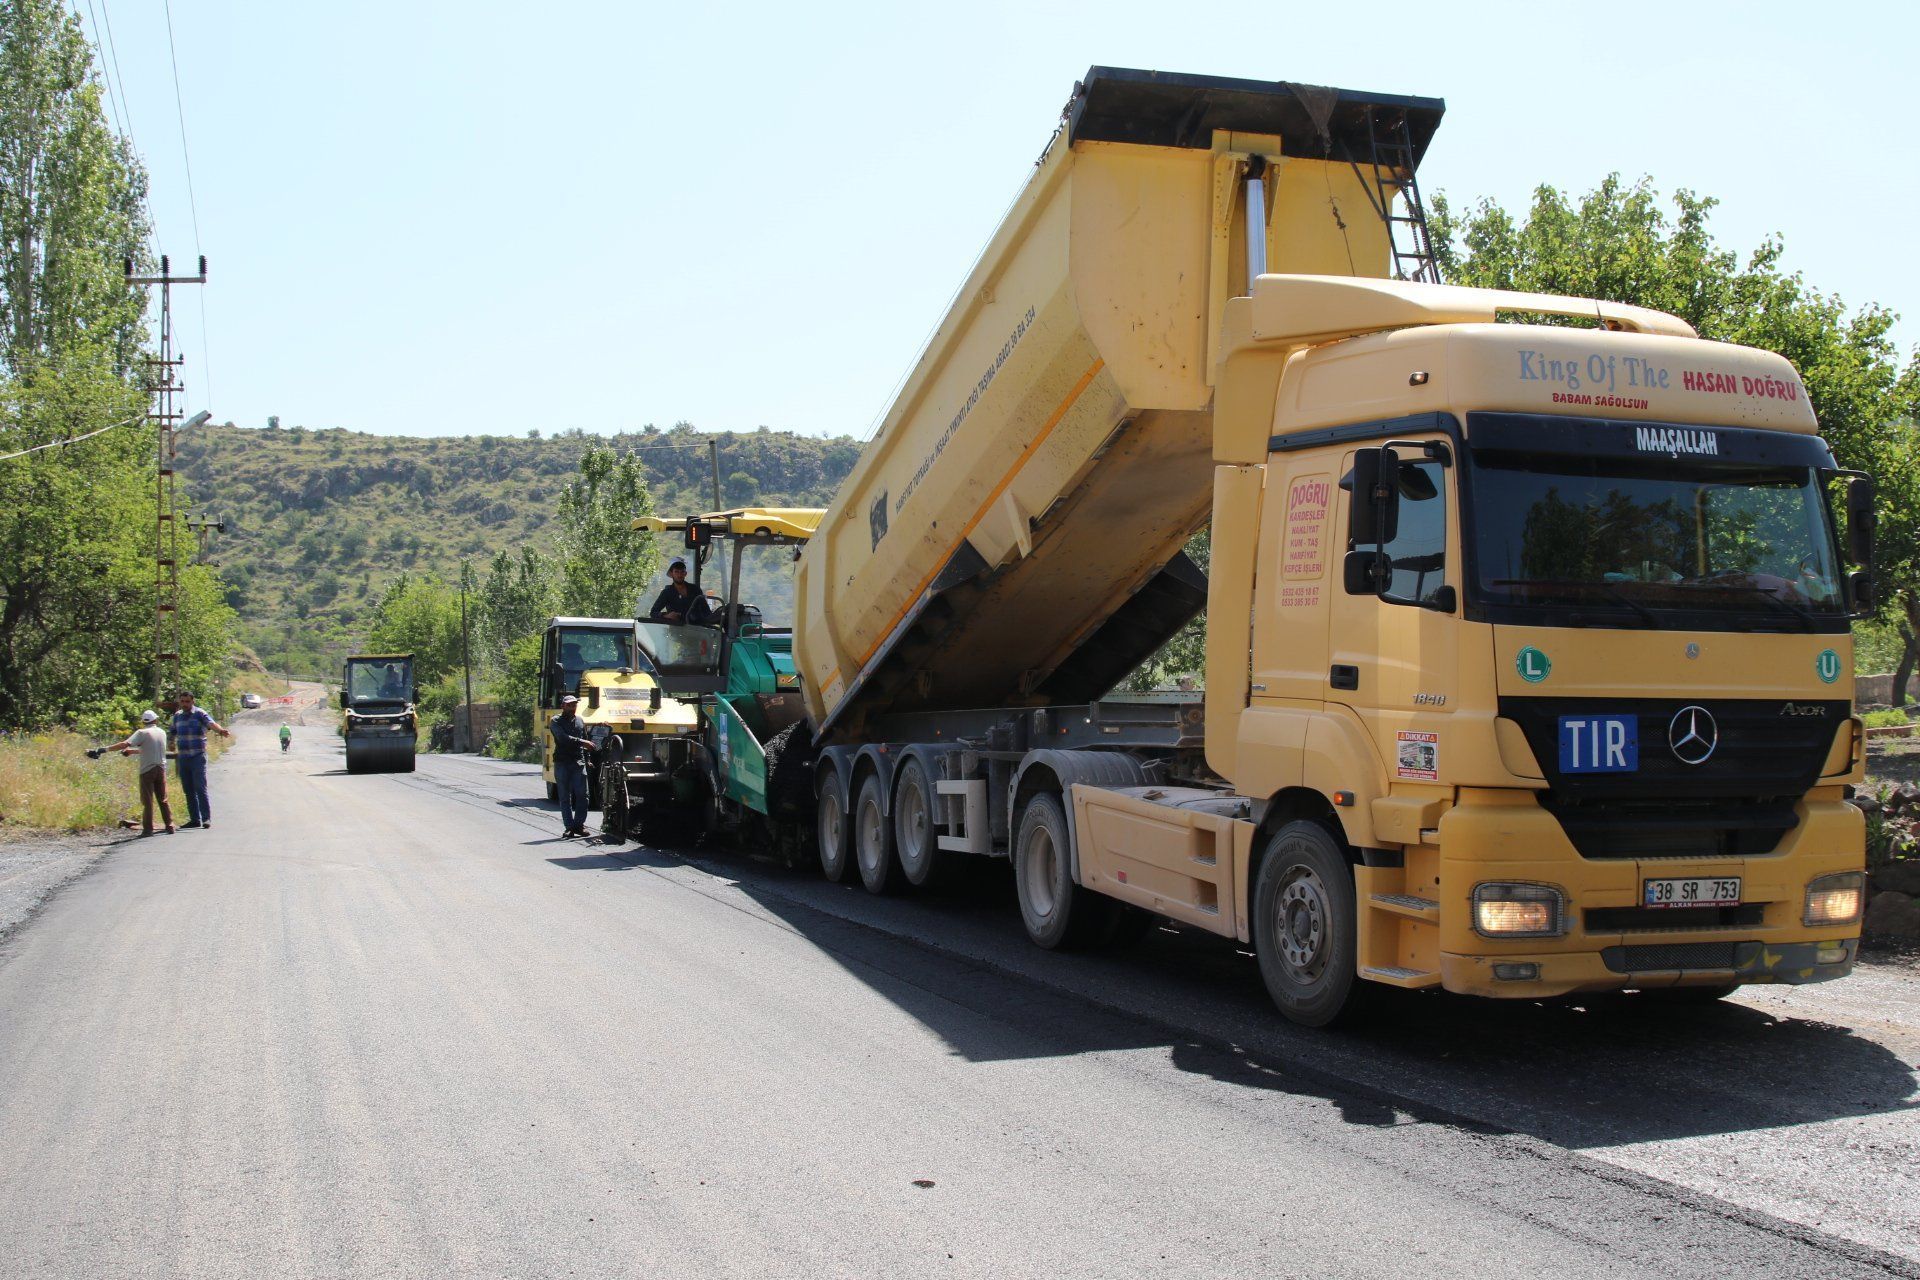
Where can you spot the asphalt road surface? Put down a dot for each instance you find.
(394, 1026)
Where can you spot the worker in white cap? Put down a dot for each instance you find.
(149, 742)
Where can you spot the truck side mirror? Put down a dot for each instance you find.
(416, 695)
(1373, 519)
(1860, 592)
(1860, 520)
(343, 700)
(1367, 571)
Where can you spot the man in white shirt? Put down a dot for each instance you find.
(149, 742)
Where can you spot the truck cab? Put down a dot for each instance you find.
(1547, 628)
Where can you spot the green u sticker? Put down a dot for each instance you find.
(1827, 666)
(1533, 665)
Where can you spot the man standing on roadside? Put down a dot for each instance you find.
(571, 747)
(150, 742)
(190, 725)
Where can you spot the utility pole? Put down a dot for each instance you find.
(466, 657)
(713, 455)
(163, 384)
(203, 527)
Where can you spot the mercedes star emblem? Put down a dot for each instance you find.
(1693, 735)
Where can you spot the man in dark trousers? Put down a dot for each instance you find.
(190, 726)
(572, 749)
(680, 601)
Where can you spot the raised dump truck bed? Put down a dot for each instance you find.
(1013, 534)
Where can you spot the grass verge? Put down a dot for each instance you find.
(47, 783)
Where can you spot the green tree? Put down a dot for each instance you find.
(604, 563)
(421, 616)
(515, 601)
(1620, 242)
(72, 202)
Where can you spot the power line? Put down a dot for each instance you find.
(106, 77)
(56, 444)
(193, 205)
(110, 72)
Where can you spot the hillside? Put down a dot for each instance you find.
(318, 522)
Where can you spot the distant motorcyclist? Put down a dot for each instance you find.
(286, 736)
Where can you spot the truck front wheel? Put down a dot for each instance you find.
(1304, 926)
(1057, 912)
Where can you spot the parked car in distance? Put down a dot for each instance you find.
(249, 701)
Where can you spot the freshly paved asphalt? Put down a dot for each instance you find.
(394, 1026)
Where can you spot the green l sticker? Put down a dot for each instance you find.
(1827, 666)
(1533, 665)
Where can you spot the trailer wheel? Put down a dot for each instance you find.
(913, 833)
(873, 840)
(830, 826)
(1305, 928)
(1057, 912)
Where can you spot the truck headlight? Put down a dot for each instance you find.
(1835, 899)
(1507, 910)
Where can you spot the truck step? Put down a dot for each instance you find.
(1406, 904)
(1397, 977)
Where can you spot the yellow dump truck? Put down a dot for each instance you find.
(1528, 661)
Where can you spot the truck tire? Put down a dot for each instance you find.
(914, 837)
(873, 840)
(830, 828)
(1057, 913)
(1305, 926)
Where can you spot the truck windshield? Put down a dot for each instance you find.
(1654, 539)
(380, 681)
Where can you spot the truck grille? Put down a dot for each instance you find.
(1665, 957)
(1654, 919)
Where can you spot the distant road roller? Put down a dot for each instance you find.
(382, 729)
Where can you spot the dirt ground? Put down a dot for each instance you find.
(1893, 760)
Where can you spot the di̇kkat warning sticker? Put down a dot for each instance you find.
(1418, 756)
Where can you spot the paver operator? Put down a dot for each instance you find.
(680, 601)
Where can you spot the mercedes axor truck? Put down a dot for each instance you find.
(1528, 661)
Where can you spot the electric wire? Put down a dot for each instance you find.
(193, 204)
(106, 78)
(126, 103)
(57, 444)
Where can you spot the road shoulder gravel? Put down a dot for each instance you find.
(35, 867)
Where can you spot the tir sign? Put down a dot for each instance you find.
(1599, 744)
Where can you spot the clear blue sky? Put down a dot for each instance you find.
(429, 218)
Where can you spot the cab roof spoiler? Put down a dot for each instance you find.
(1307, 310)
